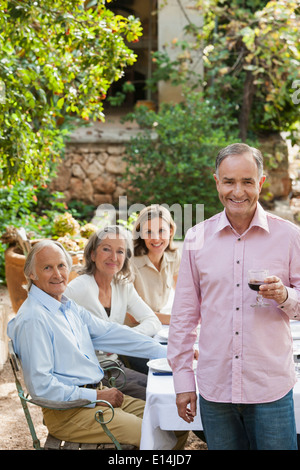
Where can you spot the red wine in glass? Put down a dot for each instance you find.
(256, 278)
(254, 285)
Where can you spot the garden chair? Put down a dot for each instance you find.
(51, 442)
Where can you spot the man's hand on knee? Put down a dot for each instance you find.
(112, 395)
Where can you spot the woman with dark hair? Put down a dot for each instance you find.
(104, 288)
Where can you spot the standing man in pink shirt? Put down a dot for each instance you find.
(245, 372)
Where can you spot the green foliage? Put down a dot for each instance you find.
(119, 96)
(256, 53)
(171, 161)
(129, 223)
(57, 60)
(81, 211)
(251, 55)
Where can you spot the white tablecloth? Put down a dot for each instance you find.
(160, 415)
(161, 418)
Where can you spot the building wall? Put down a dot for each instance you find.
(173, 17)
(163, 23)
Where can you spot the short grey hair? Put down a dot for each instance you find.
(29, 267)
(239, 149)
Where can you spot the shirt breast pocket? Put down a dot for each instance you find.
(279, 269)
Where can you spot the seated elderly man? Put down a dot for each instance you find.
(56, 340)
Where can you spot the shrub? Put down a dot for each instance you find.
(58, 60)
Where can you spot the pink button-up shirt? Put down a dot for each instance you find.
(245, 353)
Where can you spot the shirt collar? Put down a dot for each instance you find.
(144, 260)
(141, 261)
(259, 220)
(47, 300)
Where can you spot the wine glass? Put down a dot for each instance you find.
(256, 278)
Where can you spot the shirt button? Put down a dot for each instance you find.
(237, 285)
(236, 332)
(237, 308)
(238, 262)
(236, 357)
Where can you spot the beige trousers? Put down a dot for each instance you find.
(79, 424)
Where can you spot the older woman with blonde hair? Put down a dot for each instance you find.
(104, 288)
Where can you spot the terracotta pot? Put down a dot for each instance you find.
(15, 278)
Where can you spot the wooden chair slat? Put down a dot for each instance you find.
(70, 445)
(52, 443)
(85, 446)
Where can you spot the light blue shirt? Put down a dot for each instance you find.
(56, 343)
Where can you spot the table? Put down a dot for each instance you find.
(161, 417)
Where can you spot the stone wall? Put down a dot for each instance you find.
(92, 169)
(93, 166)
(91, 173)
